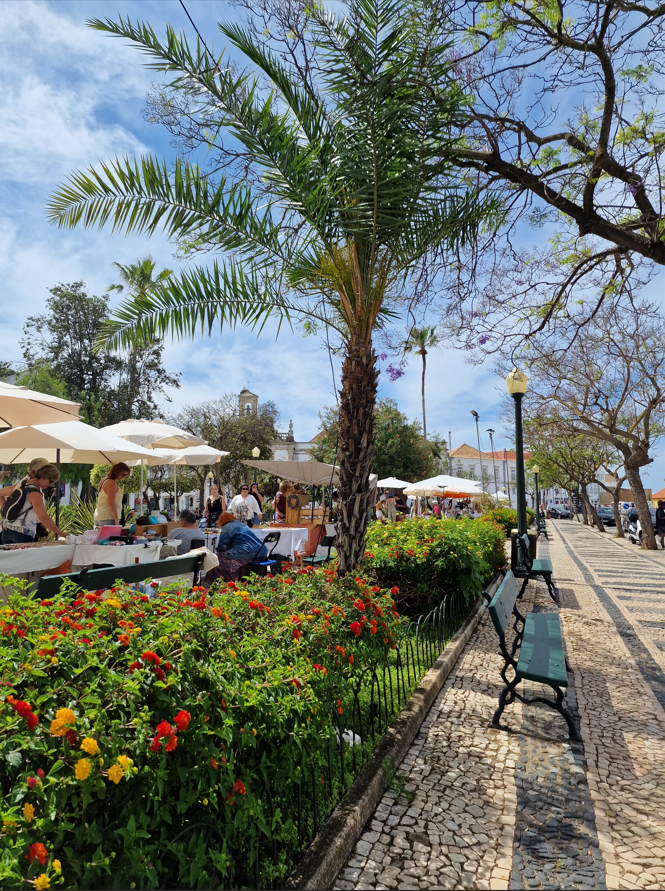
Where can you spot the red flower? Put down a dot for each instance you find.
(296, 633)
(213, 763)
(38, 852)
(124, 640)
(31, 721)
(375, 588)
(47, 603)
(135, 666)
(356, 628)
(149, 656)
(40, 773)
(32, 782)
(70, 736)
(172, 743)
(351, 659)
(239, 787)
(394, 590)
(182, 719)
(224, 705)
(163, 729)
(159, 674)
(359, 605)
(155, 744)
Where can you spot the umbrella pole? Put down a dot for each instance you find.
(175, 491)
(141, 493)
(57, 491)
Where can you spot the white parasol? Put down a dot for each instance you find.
(21, 407)
(420, 490)
(390, 482)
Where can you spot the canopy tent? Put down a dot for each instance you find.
(21, 407)
(195, 456)
(390, 482)
(499, 496)
(67, 442)
(153, 434)
(308, 473)
(453, 486)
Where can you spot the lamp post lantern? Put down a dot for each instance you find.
(480, 458)
(496, 485)
(256, 451)
(516, 382)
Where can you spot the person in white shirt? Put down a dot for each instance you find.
(244, 506)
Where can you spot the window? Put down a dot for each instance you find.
(472, 469)
(512, 475)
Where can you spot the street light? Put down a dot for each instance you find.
(256, 451)
(496, 485)
(482, 482)
(516, 382)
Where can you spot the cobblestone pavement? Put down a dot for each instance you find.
(473, 807)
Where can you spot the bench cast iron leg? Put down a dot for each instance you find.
(561, 708)
(550, 586)
(507, 696)
(522, 589)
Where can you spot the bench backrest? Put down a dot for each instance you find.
(98, 579)
(523, 543)
(503, 602)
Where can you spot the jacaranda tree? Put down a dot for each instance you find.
(347, 186)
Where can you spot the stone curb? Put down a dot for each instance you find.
(324, 858)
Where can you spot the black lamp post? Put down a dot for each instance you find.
(516, 382)
(496, 484)
(536, 471)
(480, 454)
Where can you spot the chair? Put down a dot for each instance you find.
(261, 566)
(194, 545)
(326, 542)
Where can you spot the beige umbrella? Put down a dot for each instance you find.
(309, 473)
(20, 407)
(68, 442)
(193, 456)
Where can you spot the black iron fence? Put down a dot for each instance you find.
(294, 813)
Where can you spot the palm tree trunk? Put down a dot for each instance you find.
(423, 395)
(356, 450)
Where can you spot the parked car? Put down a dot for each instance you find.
(606, 514)
(559, 513)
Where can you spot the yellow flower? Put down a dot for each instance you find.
(205, 801)
(113, 602)
(90, 746)
(135, 770)
(9, 826)
(124, 761)
(54, 660)
(115, 773)
(101, 762)
(28, 812)
(42, 882)
(82, 771)
(57, 866)
(232, 653)
(63, 718)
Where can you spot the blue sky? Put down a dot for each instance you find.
(71, 96)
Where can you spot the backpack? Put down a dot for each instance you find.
(15, 505)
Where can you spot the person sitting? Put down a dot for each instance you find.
(109, 500)
(237, 547)
(187, 532)
(280, 502)
(25, 508)
(244, 507)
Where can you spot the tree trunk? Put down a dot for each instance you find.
(642, 506)
(594, 519)
(356, 450)
(616, 511)
(423, 397)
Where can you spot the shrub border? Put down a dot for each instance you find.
(324, 858)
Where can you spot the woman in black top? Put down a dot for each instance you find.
(215, 506)
(660, 522)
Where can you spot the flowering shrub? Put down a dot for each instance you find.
(506, 517)
(425, 559)
(151, 742)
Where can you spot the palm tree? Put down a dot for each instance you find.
(138, 277)
(421, 340)
(352, 187)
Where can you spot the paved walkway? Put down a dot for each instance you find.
(473, 807)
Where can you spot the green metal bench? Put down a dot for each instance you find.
(533, 568)
(100, 579)
(541, 656)
(541, 526)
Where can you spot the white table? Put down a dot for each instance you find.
(24, 560)
(125, 555)
(291, 539)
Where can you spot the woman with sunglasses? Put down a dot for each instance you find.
(244, 507)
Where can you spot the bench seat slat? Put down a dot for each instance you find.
(540, 566)
(541, 655)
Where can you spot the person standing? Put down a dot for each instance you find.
(109, 499)
(258, 497)
(24, 508)
(280, 502)
(391, 508)
(215, 506)
(244, 507)
(660, 522)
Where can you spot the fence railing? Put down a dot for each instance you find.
(370, 702)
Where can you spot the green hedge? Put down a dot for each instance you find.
(506, 517)
(139, 736)
(428, 558)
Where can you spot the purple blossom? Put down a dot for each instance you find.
(394, 372)
(383, 356)
(482, 340)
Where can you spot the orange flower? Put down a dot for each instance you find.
(217, 612)
(172, 743)
(213, 763)
(124, 640)
(182, 720)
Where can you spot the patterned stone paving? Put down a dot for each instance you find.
(474, 807)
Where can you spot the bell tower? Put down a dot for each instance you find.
(248, 403)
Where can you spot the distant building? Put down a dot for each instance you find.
(499, 466)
